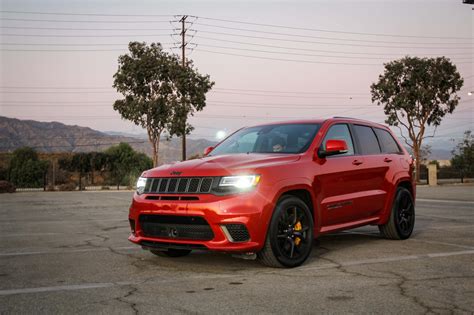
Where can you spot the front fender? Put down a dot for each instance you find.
(283, 186)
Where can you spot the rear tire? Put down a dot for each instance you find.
(289, 238)
(171, 252)
(402, 217)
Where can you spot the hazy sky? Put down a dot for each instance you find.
(45, 75)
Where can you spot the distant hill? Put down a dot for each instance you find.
(52, 137)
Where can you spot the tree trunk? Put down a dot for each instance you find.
(154, 139)
(80, 181)
(416, 154)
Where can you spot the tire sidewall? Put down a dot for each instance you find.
(282, 205)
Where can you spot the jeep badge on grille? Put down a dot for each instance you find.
(176, 173)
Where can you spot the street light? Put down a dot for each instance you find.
(470, 93)
(220, 135)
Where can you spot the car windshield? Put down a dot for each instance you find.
(281, 138)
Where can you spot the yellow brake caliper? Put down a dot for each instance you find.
(298, 227)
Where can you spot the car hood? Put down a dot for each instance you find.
(221, 165)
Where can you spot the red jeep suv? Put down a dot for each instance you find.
(271, 189)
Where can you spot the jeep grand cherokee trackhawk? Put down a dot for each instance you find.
(272, 189)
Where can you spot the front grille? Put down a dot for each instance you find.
(176, 227)
(238, 232)
(183, 185)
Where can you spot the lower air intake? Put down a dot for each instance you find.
(237, 232)
(176, 227)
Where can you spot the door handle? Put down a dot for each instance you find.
(387, 160)
(357, 162)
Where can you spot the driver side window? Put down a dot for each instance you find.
(340, 132)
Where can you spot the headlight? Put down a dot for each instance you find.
(240, 181)
(141, 183)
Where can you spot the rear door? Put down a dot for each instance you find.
(372, 184)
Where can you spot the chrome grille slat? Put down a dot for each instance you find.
(180, 185)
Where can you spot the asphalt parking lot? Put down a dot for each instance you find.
(67, 252)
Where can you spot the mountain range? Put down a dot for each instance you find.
(55, 137)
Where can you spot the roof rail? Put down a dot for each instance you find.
(345, 117)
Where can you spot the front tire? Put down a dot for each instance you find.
(171, 252)
(402, 218)
(289, 238)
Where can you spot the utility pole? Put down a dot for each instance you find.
(183, 56)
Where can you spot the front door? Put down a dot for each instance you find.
(337, 186)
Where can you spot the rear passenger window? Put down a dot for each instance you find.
(389, 145)
(340, 132)
(367, 139)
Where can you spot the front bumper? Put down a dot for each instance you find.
(253, 209)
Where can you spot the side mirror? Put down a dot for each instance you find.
(208, 150)
(333, 147)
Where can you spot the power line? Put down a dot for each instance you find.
(291, 60)
(328, 31)
(235, 21)
(86, 14)
(61, 50)
(69, 36)
(298, 54)
(56, 92)
(211, 106)
(291, 92)
(88, 44)
(321, 37)
(84, 29)
(326, 43)
(287, 96)
(301, 61)
(219, 92)
(314, 50)
(225, 89)
(237, 42)
(78, 21)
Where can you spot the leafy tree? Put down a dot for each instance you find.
(463, 156)
(159, 92)
(125, 165)
(98, 162)
(26, 170)
(417, 93)
(79, 162)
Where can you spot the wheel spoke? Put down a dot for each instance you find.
(292, 247)
(295, 216)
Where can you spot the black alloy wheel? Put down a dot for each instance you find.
(290, 234)
(402, 218)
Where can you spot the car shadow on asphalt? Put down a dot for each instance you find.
(214, 262)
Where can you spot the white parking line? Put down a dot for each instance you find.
(445, 201)
(388, 259)
(63, 288)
